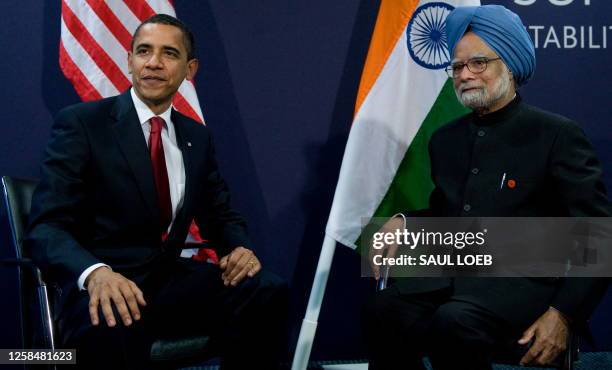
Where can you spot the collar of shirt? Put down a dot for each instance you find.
(145, 114)
(500, 115)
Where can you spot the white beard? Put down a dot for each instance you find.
(482, 99)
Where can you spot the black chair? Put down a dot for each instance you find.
(511, 353)
(36, 323)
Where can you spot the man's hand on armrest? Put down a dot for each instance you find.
(105, 286)
(241, 262)
(550, 331)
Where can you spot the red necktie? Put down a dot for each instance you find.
(160, 173)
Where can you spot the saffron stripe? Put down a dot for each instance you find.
(393, 16)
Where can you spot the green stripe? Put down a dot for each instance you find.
(412, 184)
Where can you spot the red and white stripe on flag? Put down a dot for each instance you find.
(95, 39)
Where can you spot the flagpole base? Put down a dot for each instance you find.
(309, 324)
(305, 340)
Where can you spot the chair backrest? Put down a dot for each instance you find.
(18, 199)
(35, 317)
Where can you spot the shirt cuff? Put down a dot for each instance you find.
(85, 274)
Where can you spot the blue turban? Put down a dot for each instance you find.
(499, 28)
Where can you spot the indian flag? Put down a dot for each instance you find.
(404, 96)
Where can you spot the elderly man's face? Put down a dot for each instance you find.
(159, 64)
(487, 91)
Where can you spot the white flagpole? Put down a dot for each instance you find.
(309, 324)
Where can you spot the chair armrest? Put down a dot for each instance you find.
(24, 262)
(29, 265)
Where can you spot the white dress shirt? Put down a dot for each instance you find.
(174, 164)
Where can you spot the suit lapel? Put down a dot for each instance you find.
(183, 141)
(128, 134)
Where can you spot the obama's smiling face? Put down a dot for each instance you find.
(159, 62)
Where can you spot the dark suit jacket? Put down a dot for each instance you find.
(97, 200)
(556, 173)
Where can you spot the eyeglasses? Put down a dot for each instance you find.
(474, 65)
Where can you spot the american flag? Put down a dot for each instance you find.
(95, 38)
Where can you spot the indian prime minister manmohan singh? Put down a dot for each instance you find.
(550, 169)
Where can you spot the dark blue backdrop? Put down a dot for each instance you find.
(277, 83)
